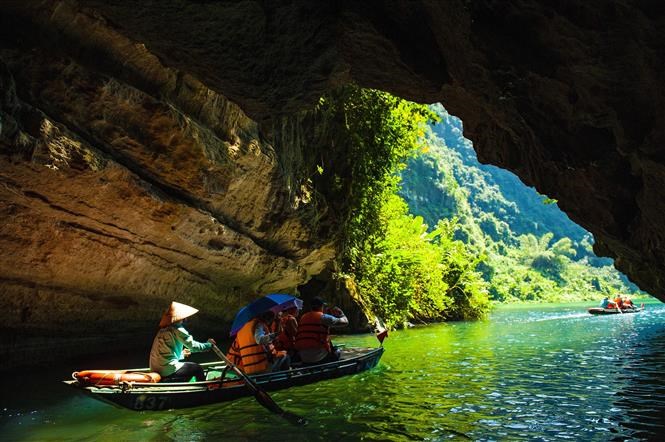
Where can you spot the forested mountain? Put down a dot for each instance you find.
(429, 234)
(389, 262)
(528, 247)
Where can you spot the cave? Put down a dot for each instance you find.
(150, 151)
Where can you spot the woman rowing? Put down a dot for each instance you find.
(172, 343)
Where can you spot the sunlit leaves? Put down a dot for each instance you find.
(407, 274)
(530, 250)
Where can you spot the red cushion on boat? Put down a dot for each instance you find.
(114, 377)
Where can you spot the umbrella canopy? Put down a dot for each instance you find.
(274, 301)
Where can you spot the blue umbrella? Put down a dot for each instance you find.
(274, 301)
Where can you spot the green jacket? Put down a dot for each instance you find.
(167, 349)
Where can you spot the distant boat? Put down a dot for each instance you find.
(614, 311)
(134, 390)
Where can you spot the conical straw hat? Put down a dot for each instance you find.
(176, 312)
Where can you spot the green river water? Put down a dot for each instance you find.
(537, 372)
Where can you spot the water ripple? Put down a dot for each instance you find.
(543, 373)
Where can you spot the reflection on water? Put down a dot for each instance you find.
(538, 373)
(643, 393)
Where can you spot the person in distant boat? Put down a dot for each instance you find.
(605, 302)
(618, 302)
(313, 337)
(255, 343)
(287, 329)
(172, 343)
(628, 303)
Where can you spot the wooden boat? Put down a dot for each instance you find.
(223, 385)
(614, 311)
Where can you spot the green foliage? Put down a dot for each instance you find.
(405, 273)
(530, 250)
(410, 275)
(467, 288)
(379, 133)
(564, 247)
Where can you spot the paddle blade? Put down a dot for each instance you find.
(265, 400)
(261, 396)
(294, 419)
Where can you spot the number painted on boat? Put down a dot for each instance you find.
(144, 402)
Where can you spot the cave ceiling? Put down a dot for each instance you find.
(568, 95)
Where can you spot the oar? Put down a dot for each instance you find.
(261, 396)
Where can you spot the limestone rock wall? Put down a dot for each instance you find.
(138, 159)
(120, 194)
(568, 95)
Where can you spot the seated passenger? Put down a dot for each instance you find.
(257, 351)
(628, 303)
(313, 337)
(172, 343)
(286, 340)
(618, 302)
(605, 302)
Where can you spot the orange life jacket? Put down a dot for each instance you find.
(312, 333)
(234, 353)
(284, 340)
(256, 358)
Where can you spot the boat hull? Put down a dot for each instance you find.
(165, 396)
(613, 311)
